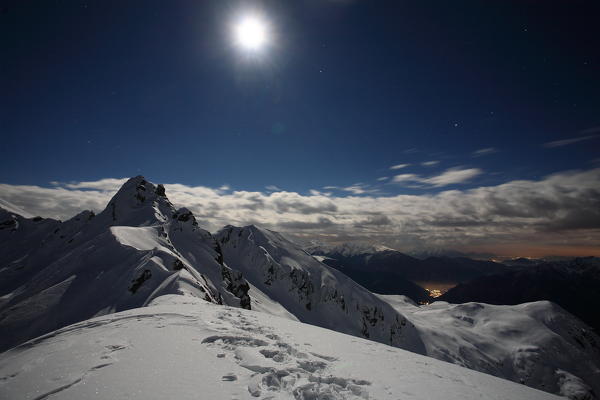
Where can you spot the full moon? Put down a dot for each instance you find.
(251, 33)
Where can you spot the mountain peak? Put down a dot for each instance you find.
(249, 229)
(138, 202)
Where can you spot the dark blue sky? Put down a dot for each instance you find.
(345, 90)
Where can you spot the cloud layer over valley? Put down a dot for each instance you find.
(558, 214)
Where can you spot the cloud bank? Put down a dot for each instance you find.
(558, 214)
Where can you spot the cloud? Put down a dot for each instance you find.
(286, 202)
(406, 178)
(565, 142)
(56, 202)
(356, 188)
(375, 220)
(102, 184)
(321, 223)
(383, 178)
(560, 211)
(484, 152)
(399, 166)
(430, 163)
(272, 188)
(453, 176)
(449, 177)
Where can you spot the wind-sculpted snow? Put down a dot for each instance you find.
(182, 348)
(313, 292)
(538, 344)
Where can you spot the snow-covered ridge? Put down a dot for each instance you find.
(184, 348)
(312, 291)
(141, 248)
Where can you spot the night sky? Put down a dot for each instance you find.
(468, 94)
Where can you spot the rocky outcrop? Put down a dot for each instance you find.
(310, 290)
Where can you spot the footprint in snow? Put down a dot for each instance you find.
(231, 342)
(303, 379)
(229, 378)
(275, 355)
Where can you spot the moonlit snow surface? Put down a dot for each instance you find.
(141, 248)
(184, 348)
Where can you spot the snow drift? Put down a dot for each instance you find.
(183, 348)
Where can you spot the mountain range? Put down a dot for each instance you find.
(105, 273)
(388, 271)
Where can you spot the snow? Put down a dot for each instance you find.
(144, 238)
(527, 343)
(181, 347)
(348, 249)
(138, 248)
(321, 258)
(313, 292)
(538, 344)
(142, 251)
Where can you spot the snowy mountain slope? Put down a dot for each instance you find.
(572, 284)
(140, 247)
(54, 274)
(314, 293)
(538, 344)
(354, 260)
(184, 348)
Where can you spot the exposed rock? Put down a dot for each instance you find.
(236, 284)
(137, 282)
(160, 190)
